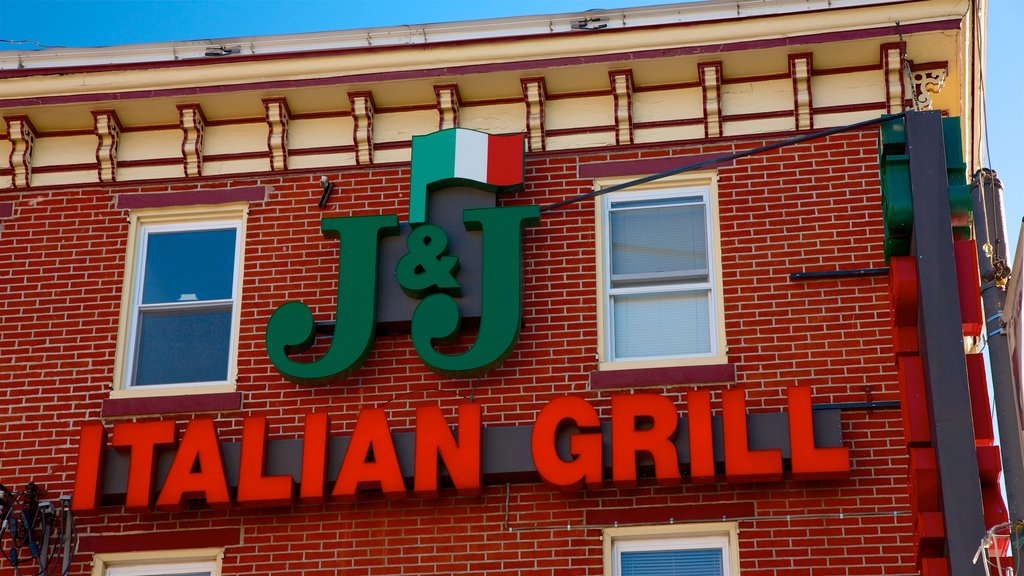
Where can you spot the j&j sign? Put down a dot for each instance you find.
(427, 272)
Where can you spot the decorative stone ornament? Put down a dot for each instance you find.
(533, 95)
(108, 131)
(192, 124)
(895, 90)
(622, 93)
(928, 79)
(800, 70)
(362, 126)
(21, 133)
(447, 106)
(277, 132)
(710, 74)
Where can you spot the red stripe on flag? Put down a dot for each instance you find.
(505, 160)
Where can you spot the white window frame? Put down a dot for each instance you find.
(159, 563)
(142, 223)
(704, 186)
(723, 535)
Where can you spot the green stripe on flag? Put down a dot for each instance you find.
(433, 159)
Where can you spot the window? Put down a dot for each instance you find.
(661, 292)
(194, 562)
(175, 569)
(180, 308)
(686, 550)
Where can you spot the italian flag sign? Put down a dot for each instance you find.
(458, 156)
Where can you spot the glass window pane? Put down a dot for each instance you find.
(674, 324)
(665, 239)
(188, 266)
(183, 346)
(696, 562)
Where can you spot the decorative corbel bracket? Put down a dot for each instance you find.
(192, 123)
(533, 95)
(710, 74)
(22, 135)
(447, 106)
(929, 79)
(277, 132)
(362, 126)
(895, 87)
(800, 69)
(108, 132)
(622, 94)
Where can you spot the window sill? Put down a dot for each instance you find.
(663, 376)
(151, 405)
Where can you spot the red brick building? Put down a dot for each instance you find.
(158, 203)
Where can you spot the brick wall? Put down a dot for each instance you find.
(810, 207)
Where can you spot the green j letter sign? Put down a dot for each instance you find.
(427, 272)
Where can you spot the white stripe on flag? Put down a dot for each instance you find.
(471, 155)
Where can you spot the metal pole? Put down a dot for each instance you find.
(987, 193)
(941, 342)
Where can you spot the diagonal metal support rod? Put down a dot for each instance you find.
(942, 348)
(724, 158)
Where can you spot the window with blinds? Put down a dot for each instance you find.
(658, 272)
(677, 556)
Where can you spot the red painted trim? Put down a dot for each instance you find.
(6, 209)
(215, 196)
(162, 540)
(321, 150)
(65, 168)
(668, 123)
(490, 102)
(152, 127)
(65, 133)
(555, 132)
(150, 162)
(672, 376)
(847, 69)
(756, 115)
(757, 78)
(580, 94)
(407, 108)
(672, 86)
(953, 24)
(842, 108)
(764, 137)
(261, 154)
(666, 514)
(915, 66)
(395, 145)
(638, 167)
(193, 403)
(324, 114)
(232, 121)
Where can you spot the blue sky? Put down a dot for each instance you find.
(73, 23)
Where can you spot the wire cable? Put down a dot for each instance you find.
(724, 158)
